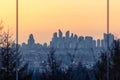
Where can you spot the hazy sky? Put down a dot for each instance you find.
(44, 17)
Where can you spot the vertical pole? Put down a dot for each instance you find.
(107, 16)
(107, 39)
(16, 39)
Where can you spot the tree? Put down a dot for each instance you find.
(53, 69)
(114, 64)
(100, 68)
(72, 67)
(79, 72)
(115, 61)
(9, 58)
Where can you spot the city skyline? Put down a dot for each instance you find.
(60, 35)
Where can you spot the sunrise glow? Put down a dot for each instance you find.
(44, 17)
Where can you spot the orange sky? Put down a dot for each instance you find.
(44, 17)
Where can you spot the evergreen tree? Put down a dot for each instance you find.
(53, 70)
(114, 64)
(115, 61)
(79, 72)
(9, 58)
(100, 69)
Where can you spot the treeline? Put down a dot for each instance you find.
(100, 69)
(10, 61)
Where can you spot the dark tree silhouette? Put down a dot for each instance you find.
(115, 61)
(53, 71)
(79, 72)
(114, 64)
(101, 68)
(8, 60)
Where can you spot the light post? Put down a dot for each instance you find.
(107, 40)
(16, 39)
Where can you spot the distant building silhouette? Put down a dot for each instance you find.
(87, 49)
